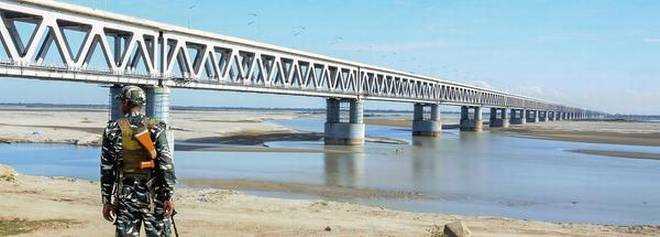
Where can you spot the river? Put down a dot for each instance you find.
(486, 174)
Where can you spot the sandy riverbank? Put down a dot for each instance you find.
(614, 132)
(48, 206)
(84, 126)
(620, 154)
(219, 130)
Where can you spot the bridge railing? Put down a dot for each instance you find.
(160, 53)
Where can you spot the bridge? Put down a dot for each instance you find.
(160, 57)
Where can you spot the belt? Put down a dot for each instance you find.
(130, 179)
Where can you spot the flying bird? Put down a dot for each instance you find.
(298, 30)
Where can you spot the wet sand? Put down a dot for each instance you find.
(57, 206)
(331, 192)
(620, 154)
(595, 135)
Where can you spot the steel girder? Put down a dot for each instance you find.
(184, 58)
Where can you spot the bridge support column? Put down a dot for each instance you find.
(551, 115)
(472, 123)
(158, 103)
(543, 116)
(158, 106)
(113, 103)
(515, 116)
(338, 129)
(426, 120)
(498, 120)
(532, 116)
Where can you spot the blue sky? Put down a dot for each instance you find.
(597, 54)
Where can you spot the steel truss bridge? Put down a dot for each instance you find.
(143, 52)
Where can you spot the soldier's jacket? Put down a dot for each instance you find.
(163, 178)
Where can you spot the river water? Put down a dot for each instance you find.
(487, 174)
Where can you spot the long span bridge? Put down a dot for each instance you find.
(158, 57)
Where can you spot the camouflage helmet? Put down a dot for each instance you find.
(133, 94)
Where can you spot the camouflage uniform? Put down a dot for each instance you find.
(138, 197)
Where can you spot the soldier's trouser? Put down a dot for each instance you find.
(134, 209)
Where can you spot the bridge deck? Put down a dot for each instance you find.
(138, 51)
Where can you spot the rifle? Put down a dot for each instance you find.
(176, 232)
(144, 138)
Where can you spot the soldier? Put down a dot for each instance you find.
(137, 183)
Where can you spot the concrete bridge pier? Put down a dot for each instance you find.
(426, 120)
(344, 130)
(115, 110)
(498, 120)
(536, 116)
(532, 116)
(158, 106)
(518, 116)
(543, 116)
(551, 115)
(158, 103)
(528, 116)
(471, 122)
(558, 116)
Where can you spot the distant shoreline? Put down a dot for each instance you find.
(637, 139)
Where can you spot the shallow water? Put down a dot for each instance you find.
(461, 173)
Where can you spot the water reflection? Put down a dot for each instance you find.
(344, 169)
(425, 161)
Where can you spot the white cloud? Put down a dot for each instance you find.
(652, 40)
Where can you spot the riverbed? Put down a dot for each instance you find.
(486, 174)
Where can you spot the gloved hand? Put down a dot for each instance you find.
(109, 212)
